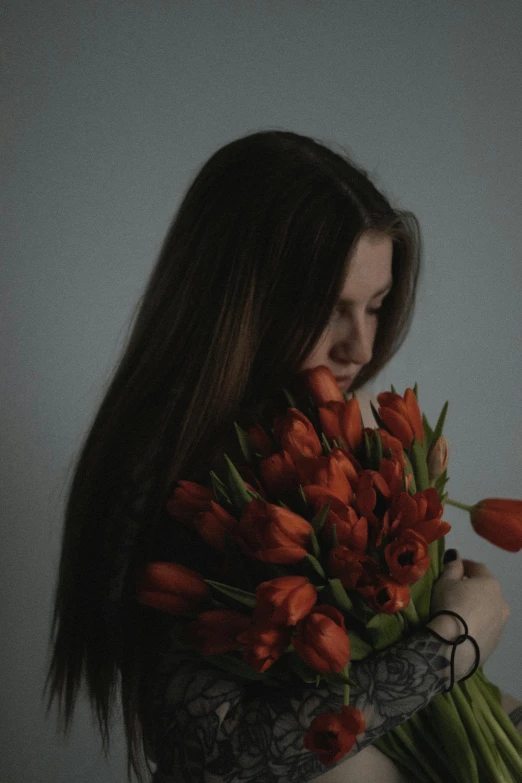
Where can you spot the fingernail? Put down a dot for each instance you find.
(449, 555)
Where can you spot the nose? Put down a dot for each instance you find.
(355, 346)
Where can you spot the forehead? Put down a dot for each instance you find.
(369, 270)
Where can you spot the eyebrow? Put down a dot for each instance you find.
(385, 290)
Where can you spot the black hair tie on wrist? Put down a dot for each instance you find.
(459, 640)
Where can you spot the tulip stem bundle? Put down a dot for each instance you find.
(327, 542)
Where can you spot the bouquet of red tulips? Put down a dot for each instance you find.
(328, 538)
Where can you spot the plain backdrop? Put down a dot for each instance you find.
(109, 110)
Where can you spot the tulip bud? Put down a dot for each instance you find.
(499, 520)
(171, 587)
(216, 631)
(332, 734)
(438, 458)
(322, 385)
(321, 640)
(264, 645)
(284, 600)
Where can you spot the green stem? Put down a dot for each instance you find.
(474, 730)
(503, 743)
(456, 503)
(346, 690)
(498, 711)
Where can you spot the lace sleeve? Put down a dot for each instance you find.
(207, 727)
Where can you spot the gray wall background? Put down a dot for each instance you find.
(109, 110)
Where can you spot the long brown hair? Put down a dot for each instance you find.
(244, 285)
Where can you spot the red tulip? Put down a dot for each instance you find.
(348, 464)
(172, 588)
(321, 640)
(351, 529)
(272, 533)
(351, 424)
(366, 497)
(319, 496)
(421, 513)
(188, 500)
(332, 734)
(402, 416)
(393, 474)
(216, 631)
(260, 440)
(321, 383)
(325, 472)
(407, 557)
(284, 600)
(342, 420)
(499, 521)
(389, 443)
(345, 565)
(279, 474)
(330, 418)
(264, 645)
(386, 596)
(213, 525)
(297, 435)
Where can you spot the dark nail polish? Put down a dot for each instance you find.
(449, 555)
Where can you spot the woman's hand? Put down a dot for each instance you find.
(471, 590)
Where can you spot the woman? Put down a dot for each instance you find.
(283, 256)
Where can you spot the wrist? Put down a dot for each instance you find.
(465, 655)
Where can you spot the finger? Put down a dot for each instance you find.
(471, 568)
(453, 568)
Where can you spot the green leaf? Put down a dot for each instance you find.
(384, 630)
(316, 564)
(428, 432)
(420, 591)
(326, 445)
(332, 537)
(377, 418)
(340, 596)
(292, 403)
(377, 452)
(419, 464)
(242, 596)
(359, 648)
(440, 423)
(305, 672)
(416, 391)
(302, 495)
(410, 615)
(238, 489)
(367, 446)
(320, 518)
(393, 388)
(220, 489)
(316, 549)
(244, 443)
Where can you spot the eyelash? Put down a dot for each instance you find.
(371, 311)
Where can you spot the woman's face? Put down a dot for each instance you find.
(346, 344)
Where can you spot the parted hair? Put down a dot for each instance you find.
(245, 283)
